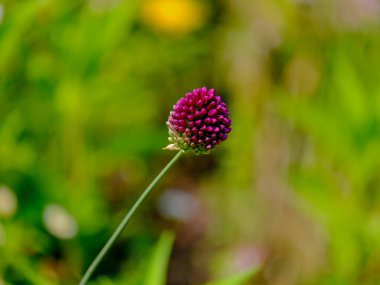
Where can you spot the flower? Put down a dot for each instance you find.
(199, 121)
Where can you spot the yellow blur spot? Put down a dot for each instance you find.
(302, 76)
(178, 17)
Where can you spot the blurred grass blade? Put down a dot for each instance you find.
(158, 265)
(238, 279)
(104, 280)
(31, 276)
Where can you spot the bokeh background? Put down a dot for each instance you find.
(85, 90)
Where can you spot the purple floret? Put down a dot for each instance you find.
(198, 121)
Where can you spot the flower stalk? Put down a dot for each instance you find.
(126, 220)
(198, 123)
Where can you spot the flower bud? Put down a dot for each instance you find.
(199, 121)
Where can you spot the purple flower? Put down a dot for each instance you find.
(199, 121)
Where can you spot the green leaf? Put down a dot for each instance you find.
(238, 279)
(157, 267)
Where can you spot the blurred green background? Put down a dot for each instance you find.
(85, 89)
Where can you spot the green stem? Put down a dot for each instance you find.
(126, 220)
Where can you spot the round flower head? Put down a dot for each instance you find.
(199, 121)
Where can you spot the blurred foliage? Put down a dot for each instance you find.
(85, 90)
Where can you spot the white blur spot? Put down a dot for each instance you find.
(8, 202)
(1, 16)
(59, 222)
(2, 238)
(178, 205)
